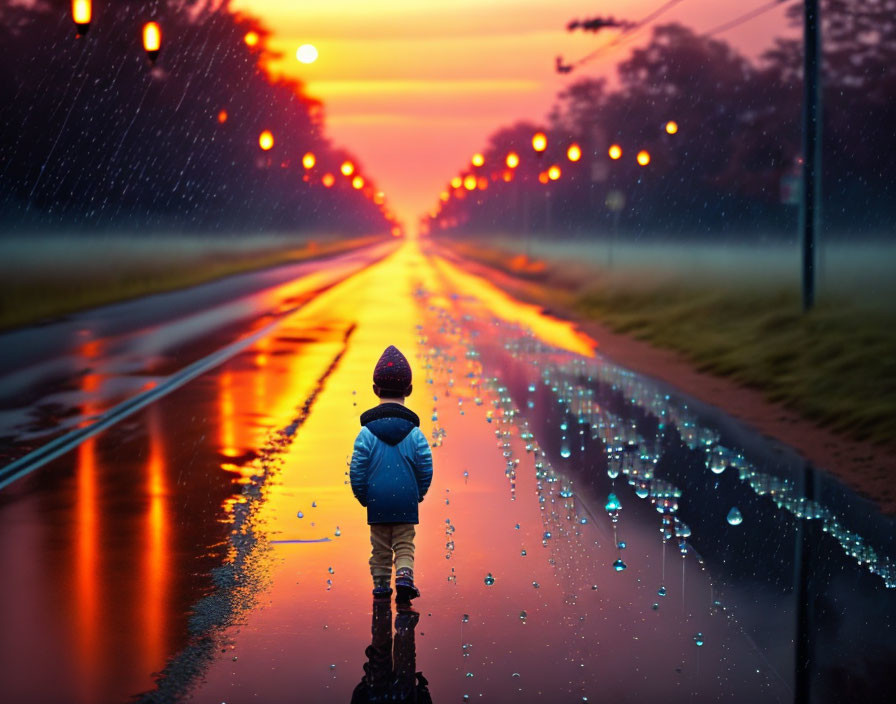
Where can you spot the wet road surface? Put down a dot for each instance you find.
(577, 544)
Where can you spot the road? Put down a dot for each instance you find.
(207, 545)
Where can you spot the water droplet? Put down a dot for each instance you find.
(535, 584)
(547, 535)
(489, 580)
(516, 675)
(612, 503)
(333, 666)
(300, 515)
(621, 545)
(338, 532)
(469, 674)
(661, 591)
(465, 618)
(619, 565)
(594, 587)
(734, 517)
(565, 452)
(517, 526)
(331, 570)
(523, 615)
(523, 552)
(655, 606)
(314, 504)
(698, 639)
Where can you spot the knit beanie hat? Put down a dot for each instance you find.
(392, 373)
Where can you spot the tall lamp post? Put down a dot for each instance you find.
(811, 191)
(539, 144)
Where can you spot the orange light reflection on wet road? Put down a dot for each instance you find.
(156, 559)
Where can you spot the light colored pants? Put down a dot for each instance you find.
(389, 538)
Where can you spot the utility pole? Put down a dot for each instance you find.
(810, 205)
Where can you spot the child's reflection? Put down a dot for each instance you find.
(389, 675)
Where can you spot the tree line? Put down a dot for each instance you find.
(731, 164)
(94, 138)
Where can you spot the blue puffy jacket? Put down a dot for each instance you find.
(391, 464)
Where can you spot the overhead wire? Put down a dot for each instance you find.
(625, 36)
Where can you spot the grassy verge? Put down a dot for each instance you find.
(835, 365)
(55, 278)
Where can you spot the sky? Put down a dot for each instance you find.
(414, 88)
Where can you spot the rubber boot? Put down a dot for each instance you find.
(404, 586)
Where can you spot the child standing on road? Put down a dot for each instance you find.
(390, 473)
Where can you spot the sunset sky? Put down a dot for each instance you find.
(415, 87)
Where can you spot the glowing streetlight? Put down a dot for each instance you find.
(671, 127)
(81, 14)
(478, 160)
(482, 183)
(470, 182)
(643, 157)
(512, 160)
(615, 152)
(554, 172)
(539, 142)
(347, 168)
(357, 183)
(574, 153)
(328, 180)
(457, 182)
(251, 38)
(307, 53)
(222, 116)
(543, 177)
(308, 161)
(266, 140)
(152, 40)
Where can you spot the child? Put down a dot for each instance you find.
(390, 473)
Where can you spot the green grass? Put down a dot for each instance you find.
(835, 365)
(47, 279)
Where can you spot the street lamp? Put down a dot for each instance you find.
(512, 160)
(615, 152)
(470, 182)
(308, 161)
(266, 140)
(328, 180)
(554, 172)
(478, 160)
(643, 157)
(81, 12)
(539, 142)
(574, 153)
(671, 127)
(251, 38)
(152, 40)
(457, 182)
(347, 168)
(358, 182)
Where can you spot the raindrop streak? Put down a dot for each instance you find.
(734, 517)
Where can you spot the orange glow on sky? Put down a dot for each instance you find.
(414, 88)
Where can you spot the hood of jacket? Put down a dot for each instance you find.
(390, 422)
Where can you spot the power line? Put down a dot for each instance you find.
(625, 36)
(633, 29)
(746, 17)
